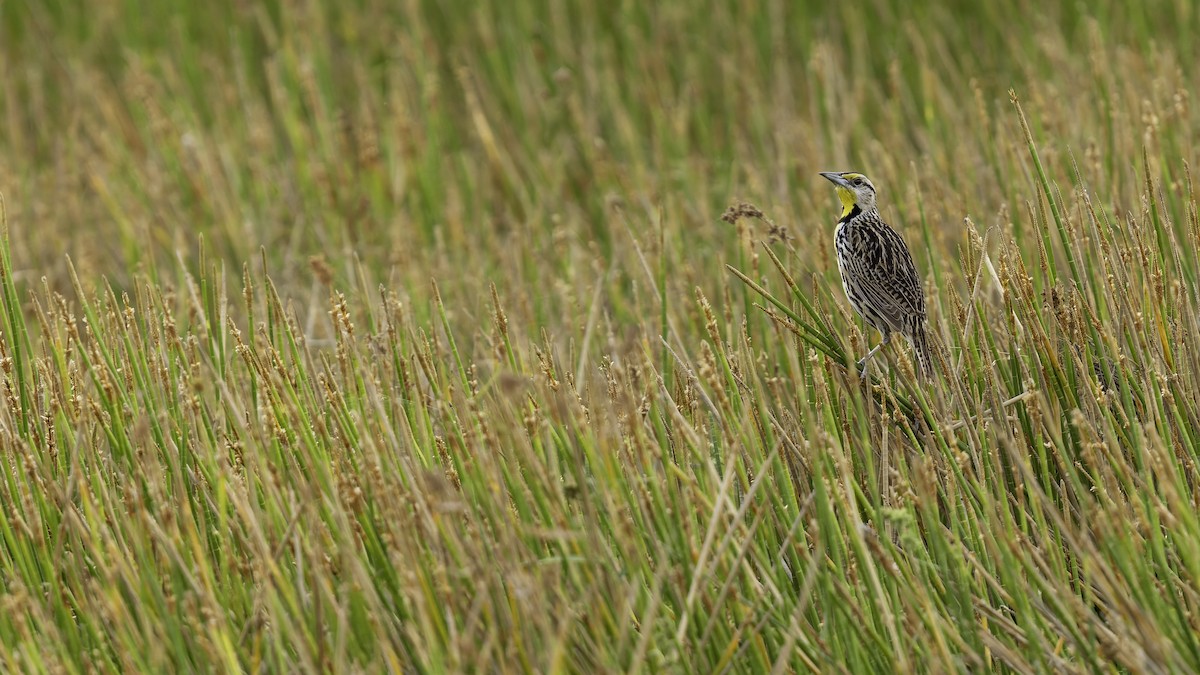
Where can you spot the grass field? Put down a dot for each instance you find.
(407, 336)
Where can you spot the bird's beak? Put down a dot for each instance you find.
(836, 179)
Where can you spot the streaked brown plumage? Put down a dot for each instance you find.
(877, 270)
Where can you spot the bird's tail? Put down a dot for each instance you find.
(921, 347)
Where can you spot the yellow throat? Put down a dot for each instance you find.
(848, 200)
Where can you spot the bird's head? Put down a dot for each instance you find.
(854, 189)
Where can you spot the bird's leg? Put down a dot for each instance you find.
(862, 363)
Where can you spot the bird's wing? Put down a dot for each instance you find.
(892, 284)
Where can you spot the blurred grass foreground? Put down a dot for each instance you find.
(407, 337)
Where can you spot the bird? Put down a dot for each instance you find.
(877, 269)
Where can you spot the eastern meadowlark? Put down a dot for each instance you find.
(877, 270)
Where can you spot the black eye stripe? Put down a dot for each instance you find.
(858, 180)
